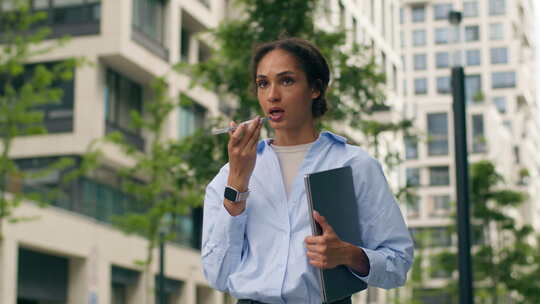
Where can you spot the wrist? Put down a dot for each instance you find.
(358, 260)
(238, 183)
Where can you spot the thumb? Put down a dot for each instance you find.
(322, 221)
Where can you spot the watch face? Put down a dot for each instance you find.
(230, 194)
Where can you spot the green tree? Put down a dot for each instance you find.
(24, 91)
(506, 252)
(161, 184)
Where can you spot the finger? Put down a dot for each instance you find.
(237, 134)
(322, 221)
(316, 249)
(254, 140)
(315, 240)
(250, 129)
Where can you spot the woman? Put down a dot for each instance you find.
(257, 242)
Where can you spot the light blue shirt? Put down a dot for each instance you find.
(260, 254)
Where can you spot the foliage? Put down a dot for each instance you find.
(506, 253)
(24, 91)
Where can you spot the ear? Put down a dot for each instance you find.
(315, 90)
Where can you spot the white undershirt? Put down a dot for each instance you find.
(290, 159)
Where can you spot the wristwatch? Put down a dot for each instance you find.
(234, 195)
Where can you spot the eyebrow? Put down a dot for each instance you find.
(279, 74)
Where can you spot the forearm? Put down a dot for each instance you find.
(357, 260)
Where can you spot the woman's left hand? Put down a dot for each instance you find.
(327, 251)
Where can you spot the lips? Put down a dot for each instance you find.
(276, 113)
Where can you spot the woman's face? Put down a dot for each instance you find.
(284, 92)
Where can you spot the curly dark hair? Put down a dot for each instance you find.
(311, 61)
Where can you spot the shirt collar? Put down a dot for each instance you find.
(325, 135)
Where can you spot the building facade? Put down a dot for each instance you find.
(71, 253)
(496, 45)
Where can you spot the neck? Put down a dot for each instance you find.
(293, 137)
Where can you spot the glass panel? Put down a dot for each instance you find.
(413, 207)
(437, 133)
(420, 61)
(496, 31)
(470, 8)
(411, 147)
(418, 13)
(503, 80)
(41, 4)
(442, 60)
(478, 137)
(148, 18)
(440, 237)
(420, 86)
(499, 55)
(440, 206)
(439, 176)
(443, 85)
(441, 10)
(473, 88)
(497, 7)
(500, 103)
(472, 33)
(419, 37)
(401, 15)
(442, 35)
(412, 177)
(473, 57)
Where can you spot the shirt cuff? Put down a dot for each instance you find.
(376, 266)
(231, 230)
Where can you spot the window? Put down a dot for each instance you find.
(420, 86)
(437, 133)
(443, 85)
(191, 118)
(185, 39)
(442, 60)
(413, 206)
(503, 80)
(418, 13)
(420, 62)
(122, 96)
(499, 55)
(472, 33)
(442, 10)
(419, 37)
(478, 138)
(411, 147)
(442, 35)
(149, 19)
(500, 103)
(497, 7)
(473, 57)
(473, 88)
(440, 206)
(57, 114)
(440, 237)
(413, 177)
(496, 31)
(401, 15)
(470, 8)
(123, 283)
(438, 268)
(439, 176)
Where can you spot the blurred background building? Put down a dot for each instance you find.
(498, 52)
(72, 254)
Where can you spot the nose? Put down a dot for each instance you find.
(274, 94)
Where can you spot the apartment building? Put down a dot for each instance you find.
(71, 253)
(497, 46)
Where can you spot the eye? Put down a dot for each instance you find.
(287, 81)
(261, 84)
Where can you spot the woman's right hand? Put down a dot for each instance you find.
(242, 150)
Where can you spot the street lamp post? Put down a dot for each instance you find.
(161, 280)
(462, 173)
